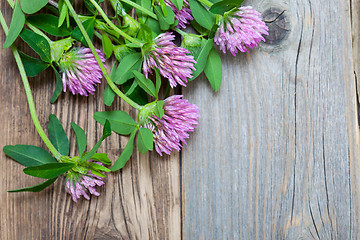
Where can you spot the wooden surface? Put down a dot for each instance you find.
(275, 155)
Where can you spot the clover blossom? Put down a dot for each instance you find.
(240, 29)
(80, 71)
(184, 16)
(172, 61)
(78, 184)
(180, 118)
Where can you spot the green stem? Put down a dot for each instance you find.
(96, 55)
(141, 8)
(38, 31)
(108, 21)
(29, 96)
(206, 3)
(98, 35)
(182, 33)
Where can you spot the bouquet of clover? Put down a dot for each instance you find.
(146, 59)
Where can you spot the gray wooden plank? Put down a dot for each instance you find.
(276, 153)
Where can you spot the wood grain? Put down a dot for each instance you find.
(276, 154)
(140, 202)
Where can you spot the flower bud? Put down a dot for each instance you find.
(120, 51)
(132, 25)
(191, 41)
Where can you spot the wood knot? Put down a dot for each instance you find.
(278, 24)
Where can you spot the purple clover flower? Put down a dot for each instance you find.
(172, 61)
(80, 71)
(78, 185)
(173, 128)
(241, 29)
(184, 16)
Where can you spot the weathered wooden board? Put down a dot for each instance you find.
(140, 202)
(276, 154)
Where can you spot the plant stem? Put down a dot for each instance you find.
(141, 8)
(38, 31)
(108, 21)
(98, 35)
(29, 96)
(96, 55)
(206, 3)
(33, 114)
(182, 33)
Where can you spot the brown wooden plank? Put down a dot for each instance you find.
(140, 202)
(276, 154)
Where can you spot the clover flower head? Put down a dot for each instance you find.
(171, 60)
(184, 16)
(180, 117)
(80, 71)
(240, 29)
(78, 184)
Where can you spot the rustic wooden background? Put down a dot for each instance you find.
(276, 155)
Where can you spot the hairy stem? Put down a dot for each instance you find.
(29, 96)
